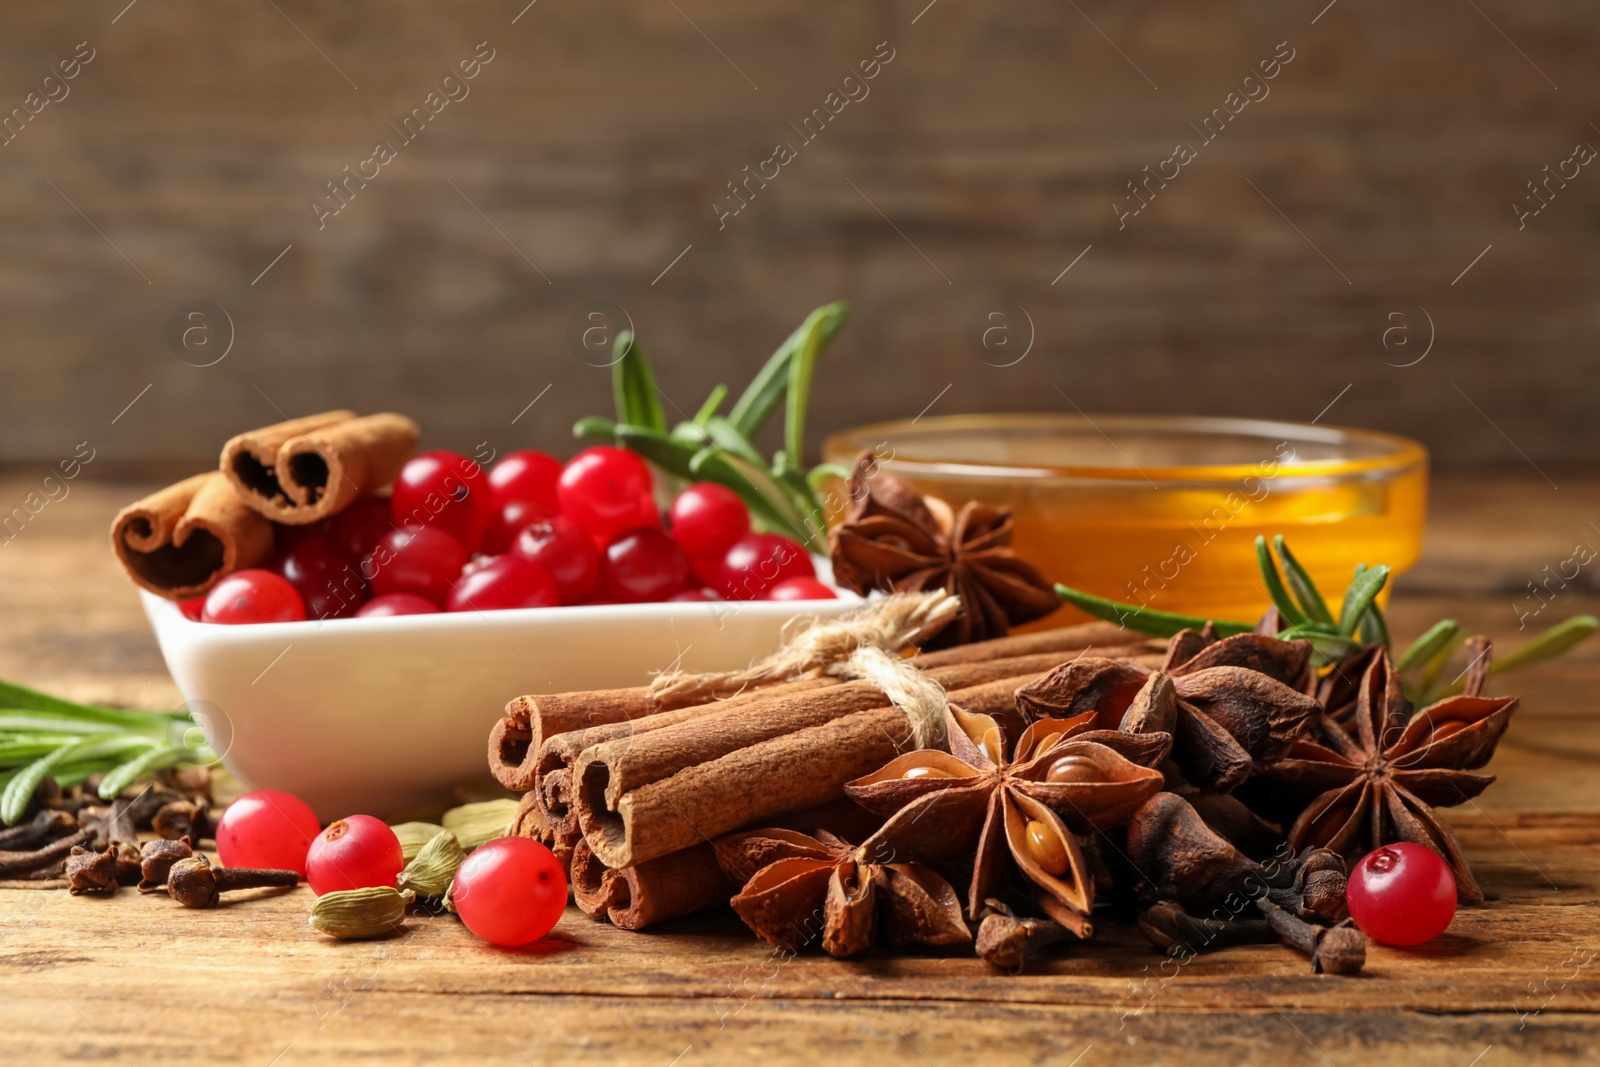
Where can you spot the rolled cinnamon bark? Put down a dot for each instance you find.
(551, 766)
(530, 720)
(750, 784)
(657, 791)
(530, 822)
(306, 469)
(679, 883)
(516, 740)
(1074, 638)
(180, 542)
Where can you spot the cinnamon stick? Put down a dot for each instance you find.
(183, 540)
(678, 883)
(306, 469)
(530, 822)
(531, 720)
(1061, 639)
(749, 784)
(516, 740)
(583, 777)
(648, 755)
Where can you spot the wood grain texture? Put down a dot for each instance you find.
(986, 158)
(138, 980)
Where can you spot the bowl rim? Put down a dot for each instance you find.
(168, 616)
(1397, 456)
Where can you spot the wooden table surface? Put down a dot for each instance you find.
(139, 981)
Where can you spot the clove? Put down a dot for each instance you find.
(93, 872)
(127, 862)
(156, 859)
(1008, 940)
(46, 826)
(191, 781)
(1316, 889)
(22, 864)
(1340, 949)
(143, 805)
(1178, 857)
(185, 818)
(194, 883)
(1169, 927)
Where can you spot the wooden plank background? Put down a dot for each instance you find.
(987, 156)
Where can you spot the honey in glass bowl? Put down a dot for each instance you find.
(1164, 511)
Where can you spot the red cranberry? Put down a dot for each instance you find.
(391, 604)
(801, 589)
(565, 552)
(331, 587)
(445, 490)
(354, 532)
(707, 519)
(644, 564)
(605, 491)
(528, 477)
(423, 560)
(759, 561)
(509, 581)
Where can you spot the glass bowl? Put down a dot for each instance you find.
(1164, 511)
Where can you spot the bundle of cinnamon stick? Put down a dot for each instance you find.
(632, 787)
(183, 540)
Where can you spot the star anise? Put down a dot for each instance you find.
(1231, 706)
(895, 539)
(1025, 813)
(797, 886)
(1378, 781)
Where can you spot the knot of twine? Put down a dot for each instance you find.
(861, 645)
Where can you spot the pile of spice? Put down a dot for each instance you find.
(852, 791)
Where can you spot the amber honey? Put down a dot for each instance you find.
(1165, 511)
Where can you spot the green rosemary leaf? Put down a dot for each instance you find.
(121, 776)
(1145, 620)
(26, 721)
(1439, 637)
(595, 428)
(726, 435)
(804, 500)
(21, 698)
(1365, 586)
(1300, 583)
(824, 472)
(801, 369)
(1328, 644)
(758, 400)
(19, 750)
(1434, 668)
(713, 402)
(1374, 628)
(633, 385)
(690, 433)
(27, 779)
(1548, 645)
(1280, 596)
(666, 453)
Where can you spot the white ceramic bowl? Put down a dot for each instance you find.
(377, 715)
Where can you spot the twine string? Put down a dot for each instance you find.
(861, 645)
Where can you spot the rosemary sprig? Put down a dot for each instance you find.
(1360, 624)
(780, 493)
(43, 736)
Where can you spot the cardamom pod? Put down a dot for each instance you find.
(413, 835)
(432, 870)
(355, 913)
(473, 824)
